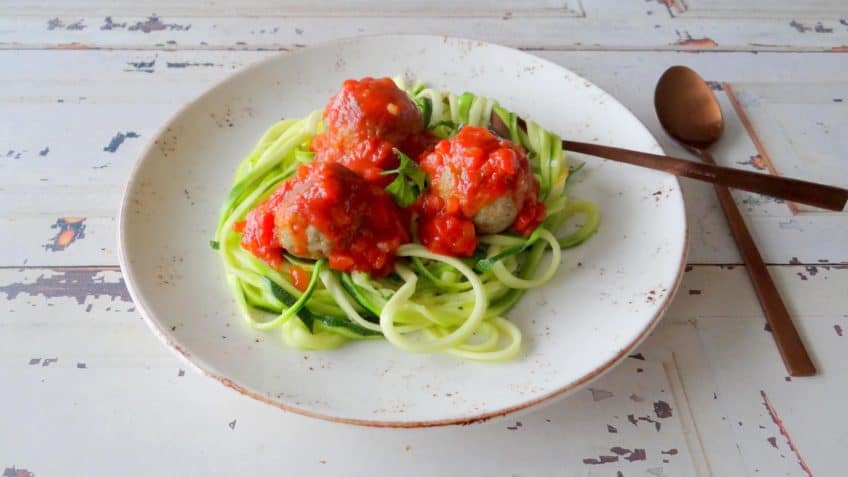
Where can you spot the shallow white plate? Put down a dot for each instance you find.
(607, 296)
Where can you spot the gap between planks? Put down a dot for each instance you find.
(673, 48)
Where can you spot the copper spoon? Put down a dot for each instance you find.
(690, 113)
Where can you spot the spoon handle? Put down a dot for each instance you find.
(789, 344)
(810, 193)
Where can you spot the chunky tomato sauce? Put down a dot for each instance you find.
(328, 210)
(363, 123)
(336, 207)
(444, 232)
(368, 158)
(299, 277)
(467, 173)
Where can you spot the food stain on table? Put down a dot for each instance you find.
(70, 229)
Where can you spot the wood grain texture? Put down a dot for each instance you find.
(141, 386)
(327, 8)
(789, 343)
(91, 343)
(757, 8)
(654, 25)
(772, 111)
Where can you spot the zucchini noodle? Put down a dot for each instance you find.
(513, 281)
(405, 292)
(433, 302)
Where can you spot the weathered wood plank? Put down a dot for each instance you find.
(797, 129)
(541, 24)
(59, 239)
(750, 378)
(762, 9)
(71, 333)
(768, 411)
(91, 343)
(708, 292)
(794, 422)
(757, 8)
(326, 8)
(201, 427)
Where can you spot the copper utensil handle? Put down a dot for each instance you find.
(819, 195)
(789, 344)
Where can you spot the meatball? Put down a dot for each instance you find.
(363, 124)
(496, 216)
(483, 178)
(327, 210)
(493, 217)
(317, 244)
(372, 108)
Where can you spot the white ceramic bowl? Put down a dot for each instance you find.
(607, 296)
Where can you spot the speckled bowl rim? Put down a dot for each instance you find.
(197, 363)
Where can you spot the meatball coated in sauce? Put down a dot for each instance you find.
(363, 123)
(327, 210)
(372, 108)
(481, 179)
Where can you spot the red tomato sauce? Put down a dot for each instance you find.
(468, 172)
(418, 144)
(299, 277)
(355, 224)
(363, 123)
(368, 157)
(444, 232)
(336, 207)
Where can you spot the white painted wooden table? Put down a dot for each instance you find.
(87, 389)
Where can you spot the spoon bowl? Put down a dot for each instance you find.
(687, 108)
(690, 113)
